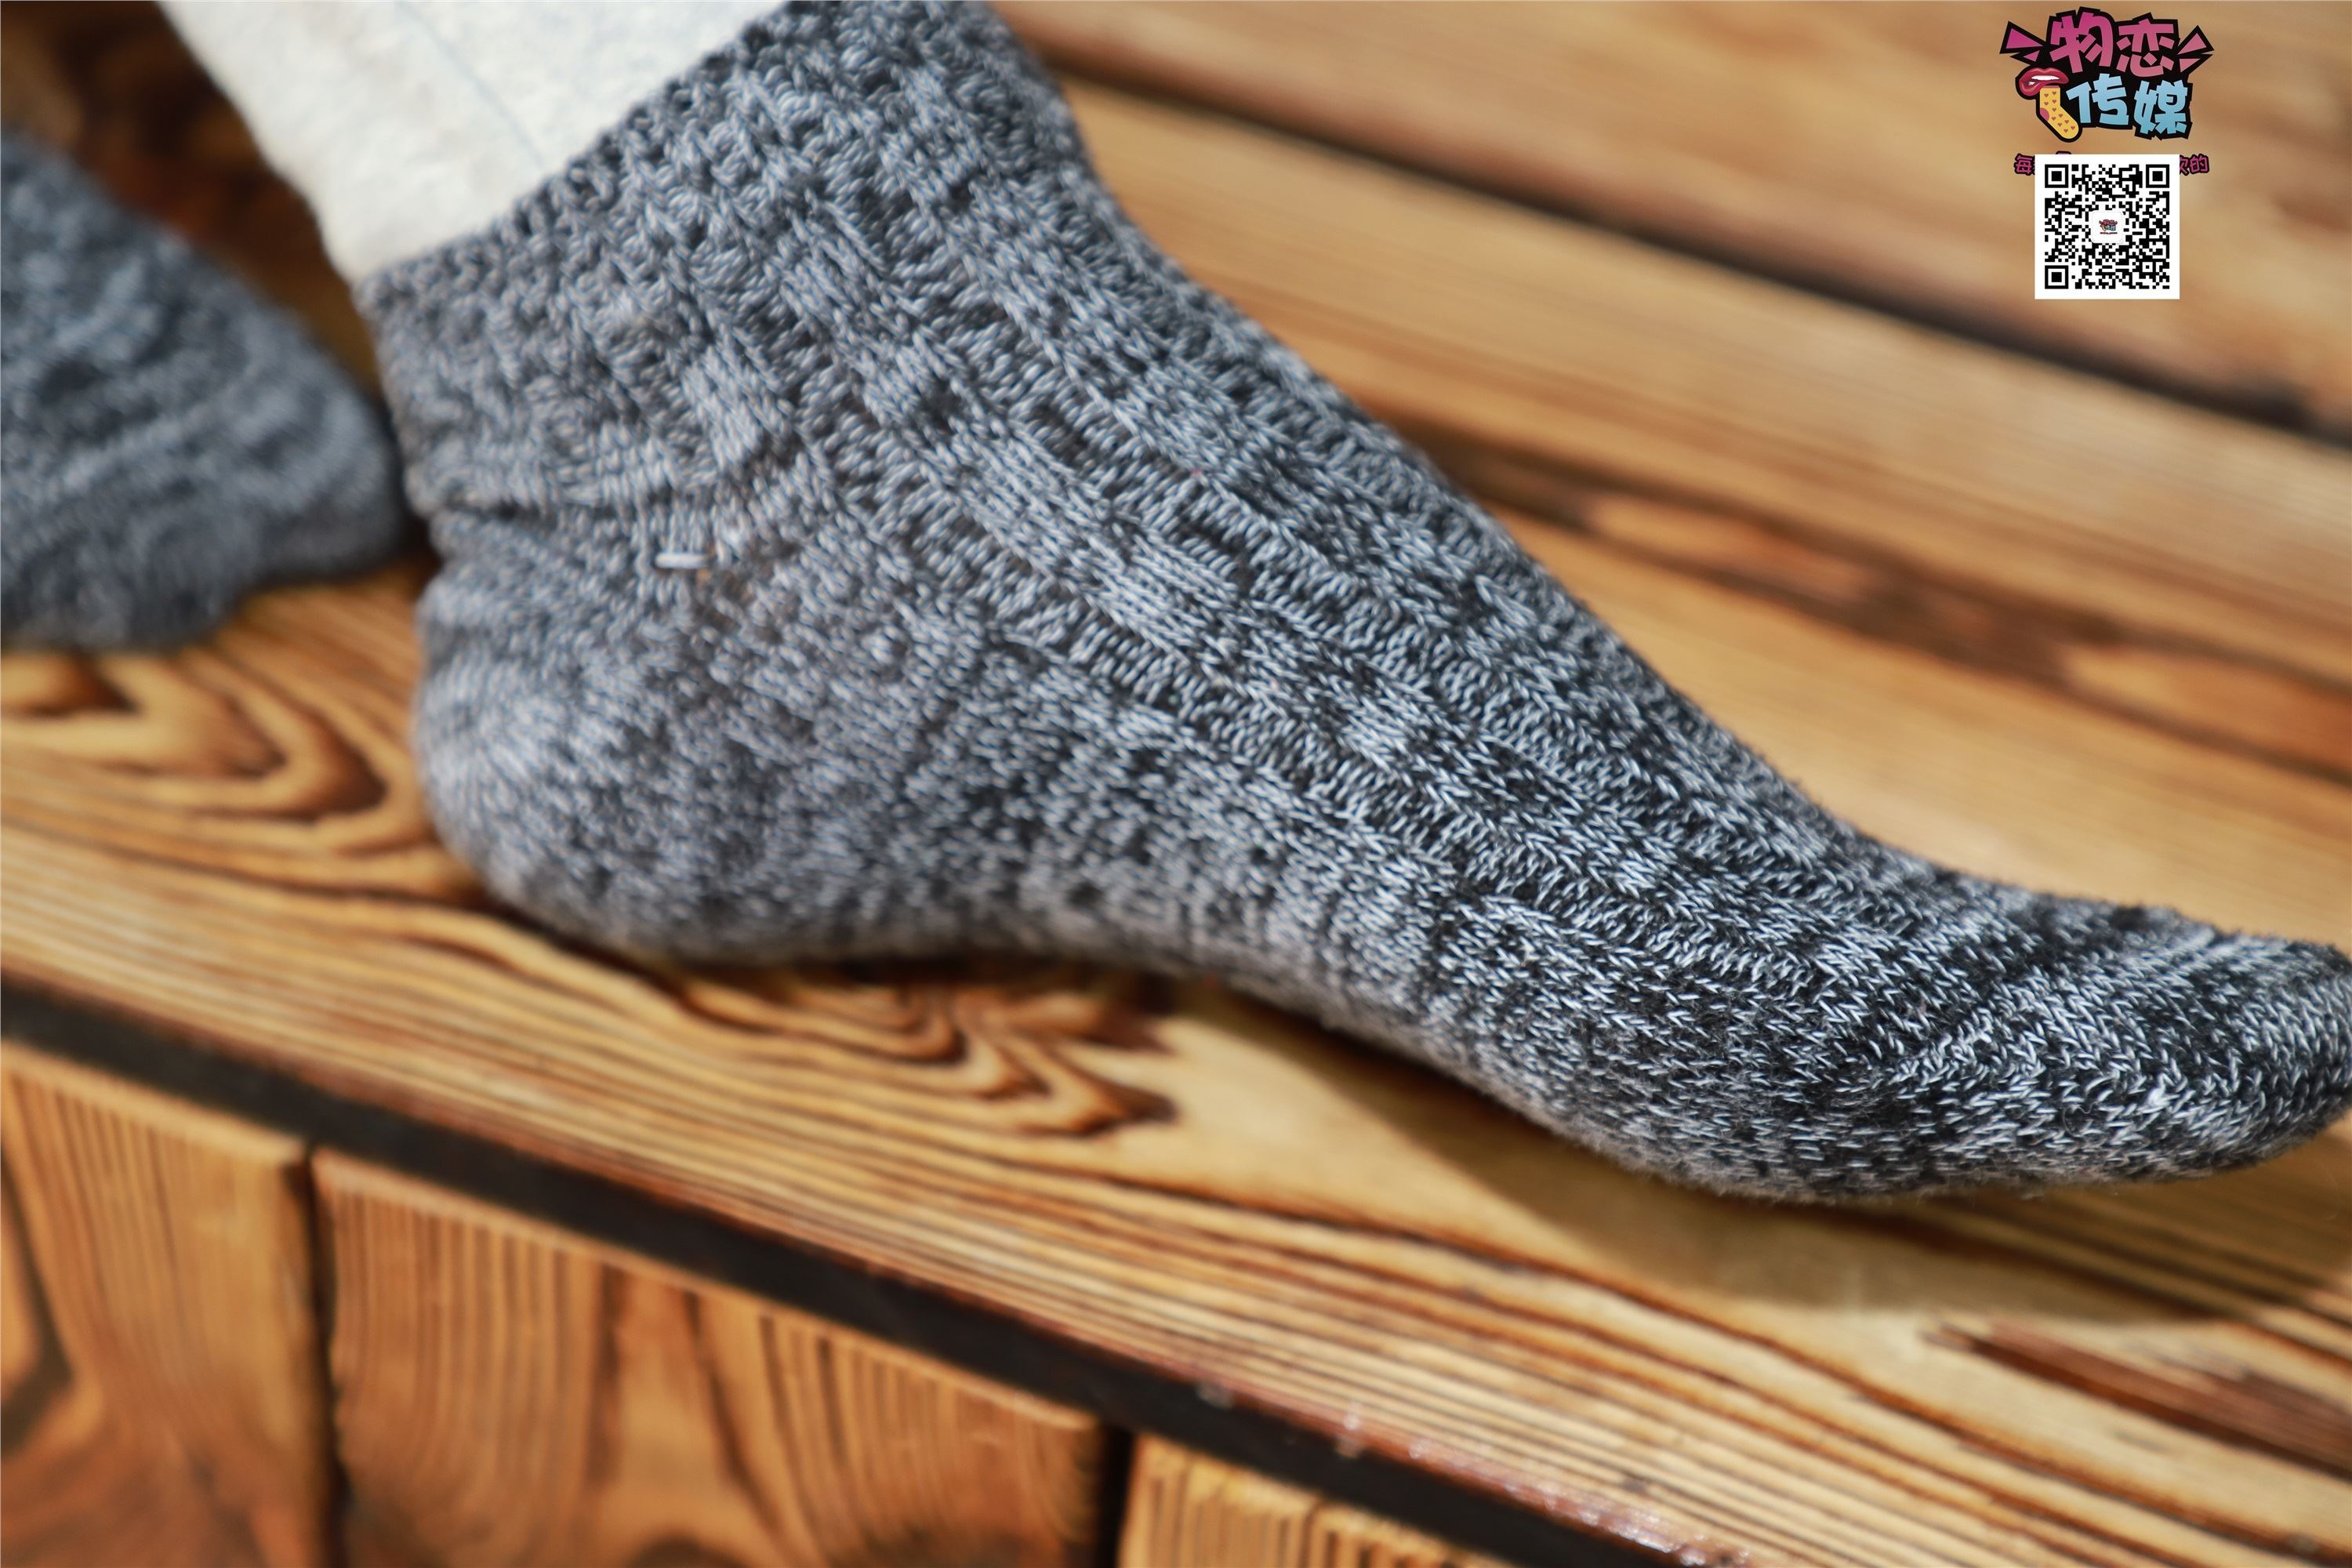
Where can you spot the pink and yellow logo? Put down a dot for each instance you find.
(2093, 71)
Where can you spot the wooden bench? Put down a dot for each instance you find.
(351, 1217)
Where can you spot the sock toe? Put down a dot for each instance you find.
(2180, 1052)
(2024, 1041)
(2256, 1054)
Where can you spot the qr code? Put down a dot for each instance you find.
(2107, 226)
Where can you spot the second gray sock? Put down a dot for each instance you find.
(168, 441)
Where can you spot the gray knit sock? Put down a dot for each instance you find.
(861, 541)
(167, 441)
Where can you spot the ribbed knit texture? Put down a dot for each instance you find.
(861, 541)
(167, 441)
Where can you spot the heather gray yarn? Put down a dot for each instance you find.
(861, 540)
(167, 440)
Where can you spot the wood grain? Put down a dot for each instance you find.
(1187, 1511)
(229, 841)
(510, 1394)
(2020, 618)
(164, 1401)
(1864, 149)
(1951, 489)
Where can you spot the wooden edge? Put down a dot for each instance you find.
(338, 1176)
(229, 1135)
(1178, 1496)
(897, 1310)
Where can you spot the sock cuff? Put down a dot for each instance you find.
(600, 298)
(781, 77)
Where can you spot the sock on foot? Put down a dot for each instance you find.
(171, 442)
(861, 540)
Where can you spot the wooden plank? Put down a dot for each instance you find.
(230, 841)
(508, 1393)
(1864, 148)
(163, 1399)
(2186, 566)
(1185, 1509)
(2096, 665)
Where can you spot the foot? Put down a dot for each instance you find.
(171, 442)
(861, 541)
